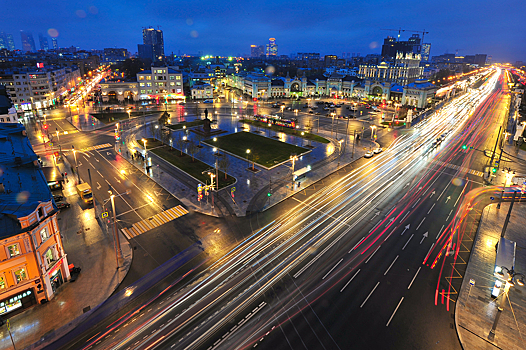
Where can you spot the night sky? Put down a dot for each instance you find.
(229, 27)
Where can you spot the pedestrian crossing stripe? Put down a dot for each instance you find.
(92, 148)
(154, 221)
(456, 167)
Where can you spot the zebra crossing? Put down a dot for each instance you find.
(456, 167)
(157, 220)
(92, 148)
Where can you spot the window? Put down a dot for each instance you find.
(20, 275)
(178, 83)
(14, 250)
(149, 84)
(171, 77)
(44, 234)
(178, 77)
(3, 285)
(172, 83)
(143, 91)
(142, 84)
(149, 77)
(48, 256)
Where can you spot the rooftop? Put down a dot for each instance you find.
(22, 184)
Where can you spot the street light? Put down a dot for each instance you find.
(118, 250)
(293, 158)
(373, 128)
(145, 155)
(248, 163)
(339, 150)
(76, 165)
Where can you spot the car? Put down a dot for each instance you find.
(326, 108)
(289, 108)
(368, 107)
(63, 205)
(311, 112)
(208, 101)
(369, 154)
(338, 106)
(377, 150)
(317, 113)
(58, 197)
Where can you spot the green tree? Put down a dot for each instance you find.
(224, 164)
(193, 149)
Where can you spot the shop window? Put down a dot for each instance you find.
(14, 250)
(44, 235)
(20, 275)
(3, 285)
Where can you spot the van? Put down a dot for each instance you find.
(84, 192)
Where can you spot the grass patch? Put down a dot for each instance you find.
(264, 151)
(295, 132)
(184, 162)
(115, 116)
(188, 124)
(523, 146)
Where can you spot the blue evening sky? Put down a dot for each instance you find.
(229, 27)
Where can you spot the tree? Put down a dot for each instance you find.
(255, 158)
(224, 164)
(193, 150)
(179, 143)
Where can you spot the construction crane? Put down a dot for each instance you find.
(423, 32)
(399, 30)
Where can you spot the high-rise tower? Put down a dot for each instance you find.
(44, 43)
(272, 48)
(28, 43)
(152, 44)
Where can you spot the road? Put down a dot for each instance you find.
(362, 255)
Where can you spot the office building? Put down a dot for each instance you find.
(272, 48)
(55, 44)
(426, 52)
(33, 263)
(404, 70)
(114, 55)
(7, 41)
(152, 46)
(257, 50)
(392, 46)
(160, 83)
(28, 43)
(44, 43)
(10, 42)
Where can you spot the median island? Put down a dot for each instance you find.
(264, 151)
(185, 162)
(295, 132)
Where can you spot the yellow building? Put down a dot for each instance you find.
(33, 263)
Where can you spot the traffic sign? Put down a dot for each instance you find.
(104, 215)
(471, 281)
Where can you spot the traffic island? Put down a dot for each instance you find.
(185, 162)
(290, 131)
(263, 151)
(186, 125)
(111, 117)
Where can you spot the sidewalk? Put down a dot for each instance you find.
(87, 247)
(476, 309)
(249, 184)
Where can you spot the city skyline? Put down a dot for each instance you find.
(192, 28)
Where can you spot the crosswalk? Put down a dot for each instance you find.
(456, 167)
(92, 148)
(154, 221)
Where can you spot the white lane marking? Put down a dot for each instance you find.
(332, 268)
(408, 241)
(353, 248)
(432, 245)
(420, 224)
(405, 216)
(110, 185)
(410, 284)
(431, 208)
(100, 174)
(341, 290)
(416, 203)
(397, 306)
(91, 165)
(460, 195)
(449, 215)
(96, 159)
(389, 268)
(390, 234)
(375, 226)
(439, 232)
(443, 191)
(369, 295)
(370, 256)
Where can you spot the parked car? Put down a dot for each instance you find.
(317, 113)
(208, 101)
(63, 205)
(58, 197)
(377, 150)
(311, 112)
(369, 154)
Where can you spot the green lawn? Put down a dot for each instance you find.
(263, 150)
(184, 163)
(295, 132)
(115, 116)
(188, 124)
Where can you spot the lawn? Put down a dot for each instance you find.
(187, 124)
(295, 132)
(263, 150)
(115, 116)
(184, 162)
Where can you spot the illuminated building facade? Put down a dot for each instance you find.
(160, 83)
(272, 48)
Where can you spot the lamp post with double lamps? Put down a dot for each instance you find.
(513, 277)
(118, 250)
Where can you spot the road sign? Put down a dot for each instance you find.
(472, 281)
(8, 325)
(104, 215)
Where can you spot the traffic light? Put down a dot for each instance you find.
(464, 147)
(269, 194)
(45, 126)
(493, 170)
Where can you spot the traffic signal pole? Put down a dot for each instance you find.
(493, 154)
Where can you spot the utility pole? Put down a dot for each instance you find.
(353, 142)
(508, 216)
(493, 154)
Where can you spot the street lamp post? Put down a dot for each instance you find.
(293, 158)
(145, 156)
(248, 163)
(339, 151)
(373, 129)
(118, 250)
(76, 165)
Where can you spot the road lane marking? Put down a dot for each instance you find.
(405, 216)
(429, 211)
(420, 224)
(410, 284)
(397, 306)
(416, 203)
(100, 174)
(356, 245)
(439, 232)
(369, 295)
(408, 241)
(445, 188)
(460, 195)
(338, 263)
(375, 226)
(432, 245)
(92, 165)
(389, 268)
(370, 256)
(449, 215)
(107, 182)
(346, 284)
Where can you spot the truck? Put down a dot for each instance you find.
(84, 192)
